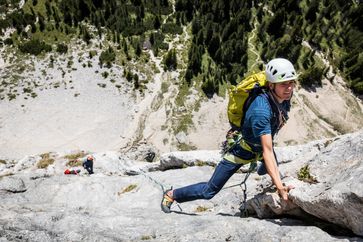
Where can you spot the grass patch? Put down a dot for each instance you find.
(182, 94)
(184, 122)
(222, 90)
(146, 237)
(7, 174)
(203, 163)
(127, 189)
(164, 87)
(50, 34)
(73, 163)
(201, 209)
(73, 159)
(75, 155)
(45, 161)
(11, 96)
(186, 147)
(304, 175)
(2, 161)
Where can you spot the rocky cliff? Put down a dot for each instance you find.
(120, 202)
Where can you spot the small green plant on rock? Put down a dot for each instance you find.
(201, 209)
(45, 161)
(304, 175)
(62, 48)
(73, 159)
(127, 189)
(146, 237)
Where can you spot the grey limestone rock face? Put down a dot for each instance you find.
(337, 197)
(12, 184)
(268, 205)
(190, 158)
(121, 201)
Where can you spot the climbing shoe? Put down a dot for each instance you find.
(166, 202)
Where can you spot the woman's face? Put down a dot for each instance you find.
(283, 90)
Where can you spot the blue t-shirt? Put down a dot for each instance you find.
(259, 120)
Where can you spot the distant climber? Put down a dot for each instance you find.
(87, 163)
(264, 117)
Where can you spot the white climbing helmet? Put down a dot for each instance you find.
(280, 70)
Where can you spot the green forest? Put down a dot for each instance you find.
(221, 32)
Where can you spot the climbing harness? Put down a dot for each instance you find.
(233, 138)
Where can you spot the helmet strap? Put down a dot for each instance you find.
(274, 94)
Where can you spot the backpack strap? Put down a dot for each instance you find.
(257, 90)
(280, 115)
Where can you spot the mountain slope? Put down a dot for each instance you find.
(99, 94)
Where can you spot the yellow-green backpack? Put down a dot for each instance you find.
(250, 86)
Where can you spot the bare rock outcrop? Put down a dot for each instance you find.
(178, 159)
(12, 184)
(337, 193)
(121, 201)
(335, 164)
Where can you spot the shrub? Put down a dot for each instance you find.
(311, 76)
(8, 41)
(34, 47)
(92, 53)
(62, 48)
(129, 76)
(200, 209)
(73, 159)
(73, 163)
(210, 87)
(136, 81)
(127, 189)
(107, 57)
(304, 175)
(45, 161)
(105, 74)
(358, 87)
(4, 23)
(170, 60)
(171, 28)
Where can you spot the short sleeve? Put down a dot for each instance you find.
(259, 117)
(260, 121)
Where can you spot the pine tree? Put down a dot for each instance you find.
(170, 61)
(214, 45)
